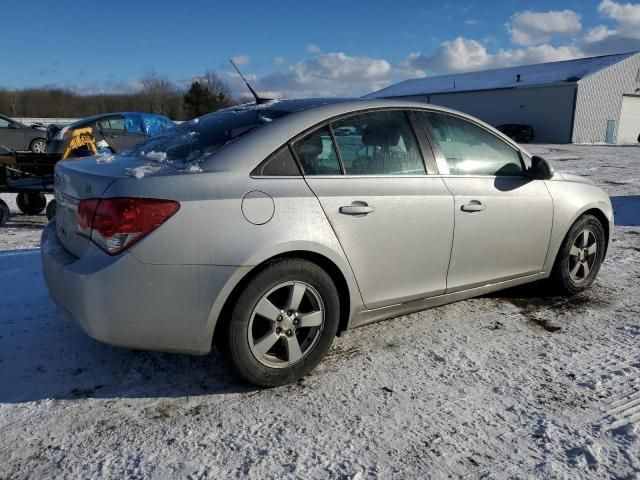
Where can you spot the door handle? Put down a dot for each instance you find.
(357, 208)
(473, 206)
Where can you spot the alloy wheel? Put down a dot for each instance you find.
(286, 324)
(582, 256)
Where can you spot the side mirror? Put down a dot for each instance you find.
(13, 125)
(540, 169)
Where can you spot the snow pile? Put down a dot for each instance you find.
(519, 384)
(155, 156)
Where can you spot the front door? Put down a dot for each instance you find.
(393, 221)
(502, 217)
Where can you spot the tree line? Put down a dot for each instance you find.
(158, 94)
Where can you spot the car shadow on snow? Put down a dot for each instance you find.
(626, 209)
(45, 356)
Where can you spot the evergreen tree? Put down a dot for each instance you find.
(198, 100)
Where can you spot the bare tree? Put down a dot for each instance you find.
(215, 85)
(13, 102)
(157, 90)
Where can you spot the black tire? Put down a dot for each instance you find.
(4, 212)
(561, 277)
(38, 145)
(51, 209)
(234, 339)
(31, 203)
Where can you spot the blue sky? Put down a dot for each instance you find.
(295, 48)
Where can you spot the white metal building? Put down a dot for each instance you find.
(588, 100)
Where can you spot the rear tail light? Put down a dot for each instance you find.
(115, 224)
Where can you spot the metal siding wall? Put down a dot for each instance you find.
(547, 109)
(600, 99)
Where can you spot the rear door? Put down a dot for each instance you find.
(117, 135)
(502, 217)
(393, 221)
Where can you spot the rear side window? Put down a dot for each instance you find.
(378, 143)
(116, 123)
(316, 153)
(470, 149)
(280, 164)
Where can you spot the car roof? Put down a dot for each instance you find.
(307, 113)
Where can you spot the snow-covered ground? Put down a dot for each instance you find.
(518, 384)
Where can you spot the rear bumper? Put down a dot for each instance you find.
(122, 301)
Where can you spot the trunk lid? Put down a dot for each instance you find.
(80, 179)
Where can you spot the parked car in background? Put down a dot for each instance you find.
(114, 132)
(517, 132)
(258, 228)
(18, 136)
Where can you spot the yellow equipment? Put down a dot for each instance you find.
(82, 137)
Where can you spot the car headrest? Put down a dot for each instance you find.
(311, 146)
(381, 135)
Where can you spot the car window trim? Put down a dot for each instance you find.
(343, 171)
(445, 165)
(428, 155)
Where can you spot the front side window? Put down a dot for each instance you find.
(4, 123)
(378, 143)
(470, 149)
(316, 154)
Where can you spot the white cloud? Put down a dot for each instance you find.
(471, 22)
(240, 59)
(598, 34)
(531, 28)
(624, 36)
(327, 74)
(464, 55)
(279, 60)
(313, 48)
(627, 16)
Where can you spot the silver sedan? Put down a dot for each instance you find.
(269, 229)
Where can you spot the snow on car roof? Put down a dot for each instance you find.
(511, 77)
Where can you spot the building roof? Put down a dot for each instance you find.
(569, 71)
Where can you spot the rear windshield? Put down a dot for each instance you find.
(196, 140)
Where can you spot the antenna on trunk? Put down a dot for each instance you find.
(259, 100)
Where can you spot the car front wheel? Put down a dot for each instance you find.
(283, 323)
(580, 256)
(39, 145)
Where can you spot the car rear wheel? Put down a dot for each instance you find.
(39, 145)
(283, 323)
(580, 256)
(31, 203)
(4, 212)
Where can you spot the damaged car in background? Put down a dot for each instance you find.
(113, 132)
(269, 229)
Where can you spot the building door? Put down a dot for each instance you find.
(629, 129)
(611, 127)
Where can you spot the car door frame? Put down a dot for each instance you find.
(431, 173)
(445, 173)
